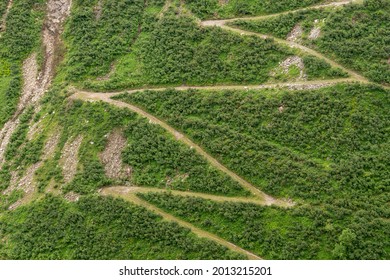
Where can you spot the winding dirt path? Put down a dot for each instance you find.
(90, 96)
(354, 75)
(260, 198)
(298, 85)
(124, 191)
(35, 84)
(220, 22)
(223, 24)
(131, 197)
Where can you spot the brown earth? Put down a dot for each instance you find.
(111, 157)
(69, 158)
(98, 9)
(72, 197)
(315, 33)
(296, 34)
(293, 61)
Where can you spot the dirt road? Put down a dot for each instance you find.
(131, 197)
(268, 200)
(223, 24)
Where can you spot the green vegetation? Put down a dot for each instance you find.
(99, 228)
(164, 50)
(159, 161)
(5, 178)
(307, 144)
(357, 35)
(9, 93)
(24, 23)
(304, 232)
(327, 149)
(21, 152)
(99, 33)
(233, 8)
(3, 7)
(19, 136)
(178, 51)
(7, 200)
(156, 158)
(317, 69)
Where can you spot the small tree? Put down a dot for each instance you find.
(343, 248)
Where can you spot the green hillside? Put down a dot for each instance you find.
(134, 129)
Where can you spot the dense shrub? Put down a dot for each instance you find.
(304, 232)
(99, 228)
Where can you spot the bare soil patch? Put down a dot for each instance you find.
(30, 73)
(296, 34)
(51, 145)
(26, 183)
(177, 178)
(111, 157)
(294, 61)
(306, 86)
(57, 12)
(69, 158)
(72, 197)
(35, 127)
(98, 10)
(315, 32)
(223, 2)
